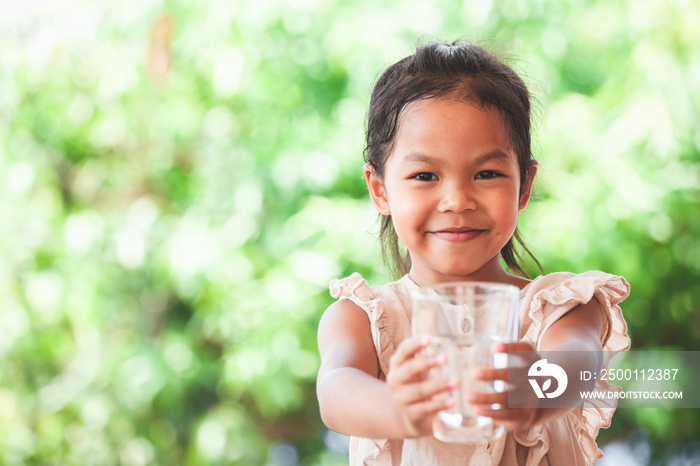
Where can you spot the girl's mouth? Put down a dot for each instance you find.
(457, 235)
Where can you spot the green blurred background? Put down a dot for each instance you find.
(180, 181)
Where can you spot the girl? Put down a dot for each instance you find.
(449, 167)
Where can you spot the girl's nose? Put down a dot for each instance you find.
(457, 199)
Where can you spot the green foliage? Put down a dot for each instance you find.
(181, 181)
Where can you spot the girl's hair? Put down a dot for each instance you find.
(445, 70)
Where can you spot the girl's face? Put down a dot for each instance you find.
(452, 188)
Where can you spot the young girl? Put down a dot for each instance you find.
(449, 167)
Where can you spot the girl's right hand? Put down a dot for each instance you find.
(413, 392)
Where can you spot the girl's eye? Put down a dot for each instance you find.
(487, 175)
(425, 176)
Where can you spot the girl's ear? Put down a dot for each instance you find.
(376, 190)
(526, 188)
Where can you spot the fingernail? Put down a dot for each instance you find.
(424, 340)
(452, 383)
(440, 359)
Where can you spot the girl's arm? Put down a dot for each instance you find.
(352, 399)
(577, 330)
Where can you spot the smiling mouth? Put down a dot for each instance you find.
(457, 235)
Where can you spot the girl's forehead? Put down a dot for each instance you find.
(451, 128)
(437, 114)
(452, 104)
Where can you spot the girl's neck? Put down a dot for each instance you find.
(493, 273)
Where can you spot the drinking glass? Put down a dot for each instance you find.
(464, 321)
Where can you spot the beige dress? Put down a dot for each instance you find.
(568, 440)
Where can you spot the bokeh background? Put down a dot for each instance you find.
(180, 180)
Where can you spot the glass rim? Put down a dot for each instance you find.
(438, 291)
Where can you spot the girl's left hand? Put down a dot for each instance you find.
(520, 389)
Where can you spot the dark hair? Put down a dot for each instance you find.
(441, 70)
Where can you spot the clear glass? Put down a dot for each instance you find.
(463, 321)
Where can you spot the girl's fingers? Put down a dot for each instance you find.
(510, 418)
(415, 395)
(487, 398)
(514, 377)
(428, 408)
(515, 374)
(412, 370)
(488, 373)
(408, 349)
(419, 392)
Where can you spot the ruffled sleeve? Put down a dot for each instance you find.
(356, 289)
(550, 297)
(545, 300)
